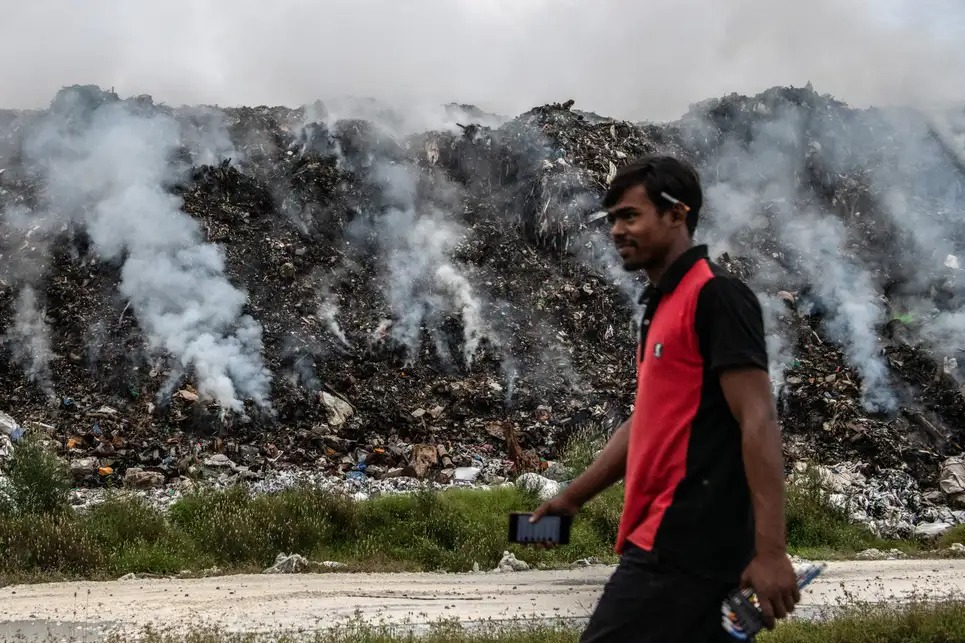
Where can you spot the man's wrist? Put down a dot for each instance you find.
(770, 546)
(572, 494)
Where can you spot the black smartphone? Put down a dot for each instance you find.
(549, 529)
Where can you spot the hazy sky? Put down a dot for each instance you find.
(617, 57)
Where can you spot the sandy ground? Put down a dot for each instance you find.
(272, 603)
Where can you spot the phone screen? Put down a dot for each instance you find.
(547, 529)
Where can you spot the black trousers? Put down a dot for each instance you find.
(645, 601)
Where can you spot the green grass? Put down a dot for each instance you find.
(940, 623)
(954, 535)
(238, 531)
(358, 631)
(234, 530)
(922, 623)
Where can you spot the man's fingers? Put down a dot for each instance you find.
(767, 612)
(796, 593)
(537, 514)
(777, 605)
(790, 600)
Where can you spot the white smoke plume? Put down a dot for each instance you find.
(916, 179)
(754, 186)
(779, 352)
(328, 313)
(853, 309)
(106, 167)
(205, 134)
(420, 276)
(454, 284)
(29, 339)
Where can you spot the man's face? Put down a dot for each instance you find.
(642, 235)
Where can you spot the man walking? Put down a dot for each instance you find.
(701, 452)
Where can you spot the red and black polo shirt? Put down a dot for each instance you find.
(687, 498)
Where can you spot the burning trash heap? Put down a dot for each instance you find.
(253, 292)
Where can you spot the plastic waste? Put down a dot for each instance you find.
(10, 427)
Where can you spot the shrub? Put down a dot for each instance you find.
(38, 481)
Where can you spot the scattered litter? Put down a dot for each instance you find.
(509, 563)
(288, 564)
(876, 554)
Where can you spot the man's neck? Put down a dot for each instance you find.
(657, 273)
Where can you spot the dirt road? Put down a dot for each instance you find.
(269, 603)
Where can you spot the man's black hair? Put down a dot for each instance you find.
(659, 174)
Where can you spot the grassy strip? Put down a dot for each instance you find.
(234, 530)
(237, 531)
(939, 623)
(921, 623)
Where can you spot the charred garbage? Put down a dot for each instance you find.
(262, 292)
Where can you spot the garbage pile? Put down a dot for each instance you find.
(245, 292)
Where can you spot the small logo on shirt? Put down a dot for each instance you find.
(658, 350)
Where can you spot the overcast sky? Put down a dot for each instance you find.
(622, 58)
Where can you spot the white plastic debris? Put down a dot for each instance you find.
(6, 447)
(332, 564)
(510, 563)
(612, 174)
(543, 487)
(932, 529)
(339, 411)
(285, 564)
(950, 365)
(951, 261)
(952, 478)
(877, 554)
(432, 152)
(10, 427)
(467, 474)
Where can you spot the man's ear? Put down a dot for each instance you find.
(679, 214)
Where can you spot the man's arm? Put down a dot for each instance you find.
(606, 470)
(748, 393)
(731, 332)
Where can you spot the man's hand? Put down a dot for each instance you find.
(608, 468)
(772, 577)
(560, 505)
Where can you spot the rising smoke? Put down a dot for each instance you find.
(853, 309)
(106, 166)
(416, 239)
(761, 185)
(29, 340)
(823, 181)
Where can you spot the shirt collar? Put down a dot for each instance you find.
(680, 267)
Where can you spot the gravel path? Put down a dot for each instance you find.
(269, 603)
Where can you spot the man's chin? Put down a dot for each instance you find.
(634, 265)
